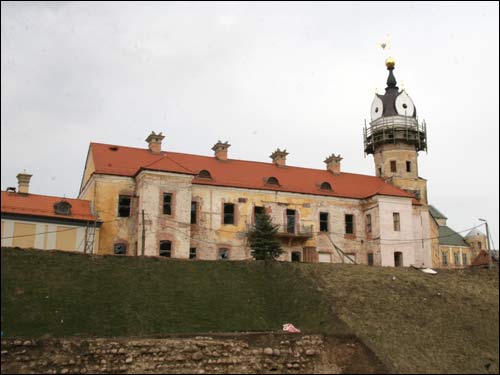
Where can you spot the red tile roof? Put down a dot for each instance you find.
(128, 161)
(43, 205)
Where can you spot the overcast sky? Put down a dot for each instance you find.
(299, 76)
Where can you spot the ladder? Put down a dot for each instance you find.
(90, 238)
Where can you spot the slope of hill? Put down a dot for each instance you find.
(447, 323)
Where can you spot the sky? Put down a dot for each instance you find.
(300, 76)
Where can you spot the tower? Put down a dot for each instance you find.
(395, 137)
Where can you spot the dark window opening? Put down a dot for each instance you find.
(204, 174)
(124, 206)
(405, 106)
(349, 224)
(326, 186)
(464, 259)
(368, 223)
(379, 171)
(408, 166)
(290, 221)
(395, 218)
(296, 256)
(62, 208)
(167, 204)
(393, 166)
(192, 253)
(166, 249)
(258, 210)
(272, 181)
(194, 207)
(398, 259)
(228, 213)
(120, 249)
(223, 254)
(370, 259)
(323, 221)
(457, 258)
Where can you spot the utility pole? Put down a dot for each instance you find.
(489, 246)
(143, 234)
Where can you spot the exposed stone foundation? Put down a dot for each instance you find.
(217, 353)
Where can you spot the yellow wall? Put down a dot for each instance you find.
(451, 250)
(27, 231)
(65, 238)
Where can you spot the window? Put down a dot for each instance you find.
(192, 253)
(379, 171)
(194, 206)
(228, 213)
(349, 224)
(323, 221)
(326, 186)
(167, 204)
(223, 253)
(124, 206)
(408, 166)
(444, 257)
(258, 210)
(457, 258)
(395, 219)
(464, 259)
(272, 181)
(368, 223)
(204, 174)
(120, 249)
(296, 256)
(62, 208)
(479, 245)
(398, 259)
(290, 221)
(166, 249)
(370, 259)
(393, 165)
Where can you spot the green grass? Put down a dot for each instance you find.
(64, 294)
(417, 323)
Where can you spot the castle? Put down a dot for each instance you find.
(156, 202)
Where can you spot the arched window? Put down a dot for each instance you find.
(272, 181)
(166, 249)
(204, 174)
(120, 248)
(326, 186)
(62, 208)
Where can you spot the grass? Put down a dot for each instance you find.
(415, 323)
(418, 323)
(64, 294)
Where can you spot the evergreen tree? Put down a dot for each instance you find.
(263, 239)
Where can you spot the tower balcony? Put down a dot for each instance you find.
(394, 129)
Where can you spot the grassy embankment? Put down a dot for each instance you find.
(415, 323)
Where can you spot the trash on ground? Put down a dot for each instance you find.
(288, 327)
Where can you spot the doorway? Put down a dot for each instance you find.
(296, 256)
(398, 259)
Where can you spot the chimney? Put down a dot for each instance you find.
(279, 157)
(333, 163)
(220, 150)
(24, 182)
(154, 142)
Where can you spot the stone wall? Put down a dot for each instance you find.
(221, 353)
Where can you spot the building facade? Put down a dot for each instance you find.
(156, 202)
(33, 221)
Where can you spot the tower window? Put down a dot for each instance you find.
(395, 219)
(167, 204)
(408, 166)
(323, 221)
(393, 165)
(124, 206)
(228, 213)
(349, 224)
(166, 249)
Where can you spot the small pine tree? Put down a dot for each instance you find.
(264, 242)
